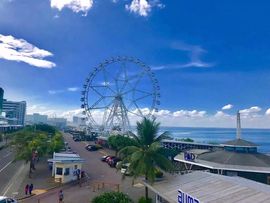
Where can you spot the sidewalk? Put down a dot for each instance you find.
(40, 178)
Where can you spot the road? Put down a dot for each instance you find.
(7, 169)
(96, 169)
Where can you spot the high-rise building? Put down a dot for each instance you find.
(78, 121)
(36, 118)
(14, 111)
(1, 99)
(58, 122)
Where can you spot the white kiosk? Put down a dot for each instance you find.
(66, 167)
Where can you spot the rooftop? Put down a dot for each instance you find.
(66, 158)
(208, 187)
(229, 160)
(239, 143)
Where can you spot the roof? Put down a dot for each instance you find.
(229, 160)
(65, 155)
(190, 143)
(66, 158)
(236, 158)
(239, 142)
(208, 187)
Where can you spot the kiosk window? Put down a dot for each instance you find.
(66, 171)
(59, 171)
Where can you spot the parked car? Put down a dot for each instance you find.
(4, 199)
(91, 148)
(125, 170)
(86, 146)
(103, 158)
(112, 162)
(109, 158)
(77, 139)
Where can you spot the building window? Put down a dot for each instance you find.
(59, 171)
(66, 172)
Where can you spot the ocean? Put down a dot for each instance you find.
(260, 137)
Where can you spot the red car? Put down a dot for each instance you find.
(109, 158)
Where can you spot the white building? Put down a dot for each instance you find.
(66, 167)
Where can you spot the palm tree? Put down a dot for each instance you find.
(147, 157)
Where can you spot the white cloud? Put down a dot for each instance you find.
(55, 91)
(142, 7)
(75, 5)
(227, 107)
(70, 113)
(251, 110)
(21, 51)
(69, 89)
(73, 89)
(267, 112)
(194, 51)
(190, 114)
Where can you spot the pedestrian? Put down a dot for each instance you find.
(31, 189)
(61, 196)
(26, 189)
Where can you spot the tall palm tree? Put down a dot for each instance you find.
(147, 156)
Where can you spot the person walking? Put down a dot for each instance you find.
(26, 189)
(31, 189)
(61, 196)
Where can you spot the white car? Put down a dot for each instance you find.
(125, 170)
(4, 199)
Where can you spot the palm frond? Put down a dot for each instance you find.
(163, 136)
(162, 162)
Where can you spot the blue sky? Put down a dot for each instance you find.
(205, 54)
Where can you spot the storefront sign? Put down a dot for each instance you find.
(186, 198)
(189, 156)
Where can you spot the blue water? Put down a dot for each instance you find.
(260, 137)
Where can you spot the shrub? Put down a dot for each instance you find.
(144, 200)
(112, 197)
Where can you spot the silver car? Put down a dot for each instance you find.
(4, 199)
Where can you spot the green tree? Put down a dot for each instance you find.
(29, 144)
(45, 128)
(56, 143)
(118, 142)
(33, 142)
(148, 156)
(112, 197)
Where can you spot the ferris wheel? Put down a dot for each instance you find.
(117, 91)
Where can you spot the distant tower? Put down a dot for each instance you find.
(238, 130)
(1, 99)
